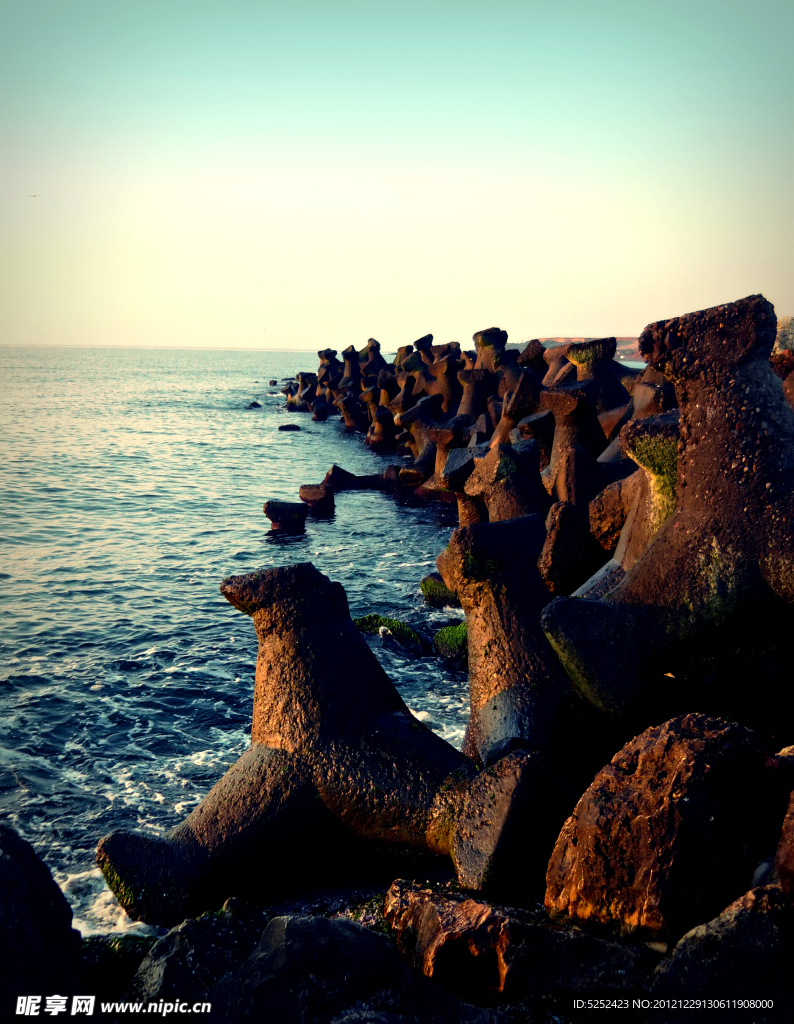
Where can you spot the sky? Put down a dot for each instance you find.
(304, 174)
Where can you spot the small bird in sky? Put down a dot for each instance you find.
(34, 195)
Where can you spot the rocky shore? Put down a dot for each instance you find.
(617, 834)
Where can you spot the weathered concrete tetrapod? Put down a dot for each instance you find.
(517, 687)
(287, 516)
(335, 755)
(719, 574)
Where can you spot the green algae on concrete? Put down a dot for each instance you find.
(436, 593)
(451, 643)
(402, 634)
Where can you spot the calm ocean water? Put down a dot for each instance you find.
(132, 483)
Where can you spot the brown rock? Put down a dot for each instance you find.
(532, 358)
(478, 948)
(490, 348)
(669, 832)
(784, 857)
(319, 498)
(560, 370)
(575, 426)
(520, 401)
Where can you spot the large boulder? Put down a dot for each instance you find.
(197, 954)
(744, 954)
(39, 949)
(669, 832)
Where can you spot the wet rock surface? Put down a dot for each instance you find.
(669, 832)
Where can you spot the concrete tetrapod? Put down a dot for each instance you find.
(336, 757)
(595, 360)
(516, 685)
(717, 579)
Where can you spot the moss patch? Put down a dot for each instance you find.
(659, 456)
(451, 643)
(402, 634)
(118, 887)
(436, 593)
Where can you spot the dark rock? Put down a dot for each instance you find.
(575, 426)
(289, 516)
(477, 386)
(374, 361)
(782, 363)
(744, 954)
(311, 969)
(273, 383)
(521, 401)
(511, 814)
(419, 420)
(651, 443)
(196, 954)
(254, 405)
(538, 427)
(289, 426)
(570, 553)
(607, 512)
(109, 962)
(322, 409)
(39, 949)
(444, 373)
(354, 413)
(560, 369)
(669, 832)
(476, 948)
(339, 479)
(403, 352)
(405, 398)
(352, 372)
(460, 465)
(532, 358)
(490, 346)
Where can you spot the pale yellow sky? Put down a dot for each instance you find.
(553, 175)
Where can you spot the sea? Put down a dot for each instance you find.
(132, 483)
